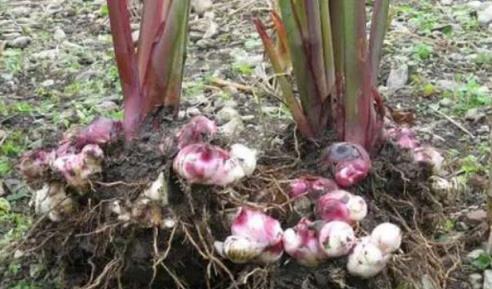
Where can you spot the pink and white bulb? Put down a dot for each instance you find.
(197, 130)
(302, 243)
(211, 165)
(350, 163)
(342, 206)
(372, 253)
(311, 186)
(336, 238)
(255, 237)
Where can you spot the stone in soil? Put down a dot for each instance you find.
(487, 279)
(476, 216)
(475, 280)
(485, 15)
(20, 42)
(398, 77)
(475, 254)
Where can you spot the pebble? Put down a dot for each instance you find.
(483, 129)
(201, 6)
(20, 42)
(2, 190)
(474, 254)
(204, 43)
(446, 102)
(446, 2)
(135, 35)
(475, 5)
(475, 280)
(398, 77)
(445, 84)
(226, 114)
(59, 34)
(476, 216)
(232, 128)
(487, 279)
(474, 115)
(48, 83)
(485, 15)
(108, 106)
(46, 54)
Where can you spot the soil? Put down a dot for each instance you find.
(91, 249)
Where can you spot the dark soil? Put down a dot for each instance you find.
(95, 250)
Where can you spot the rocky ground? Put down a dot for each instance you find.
(57, 72)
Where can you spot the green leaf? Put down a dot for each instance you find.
(4, 206)
(482, 262)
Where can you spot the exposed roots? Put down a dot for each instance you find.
(96, 249)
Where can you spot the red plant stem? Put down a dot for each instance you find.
(359, 111)
(119, 19)
(283, 45)
(287, 94)
(338, 100)
(153, 16)
(165, 70)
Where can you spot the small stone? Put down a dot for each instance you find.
(475, 5)
(135, 35)
(398, 77)
(46, 54)
(445, 84)
(48, 83)
(446, 2)
(487, 279)
(108, 106)
(485, 15)
(204, 43)
(427, 282)
(21, 11)
(18, 254)
(193, 111)
(446, 102)
(226, 114)
(476, 216)
(475, 280)
(2, 190)
(232, 128)
(474, 115)
(201, 6)
(484, 129)
(475, 254)
(20, 42)
(59, 34)
(212, 30)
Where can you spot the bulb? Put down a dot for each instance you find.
(301, 243)
(52, 200)
(430, 156)
(245, 157)
(197, 130)
(350, 163)
(403, 137)
(333, 206)
(357, 207)
(366, 260)
(312, 186)
(36, 164)
(239, 249)
(336, 238)
(211, 165)
(387, 237)
(77, 168)
(100, 131)
(258, 237)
